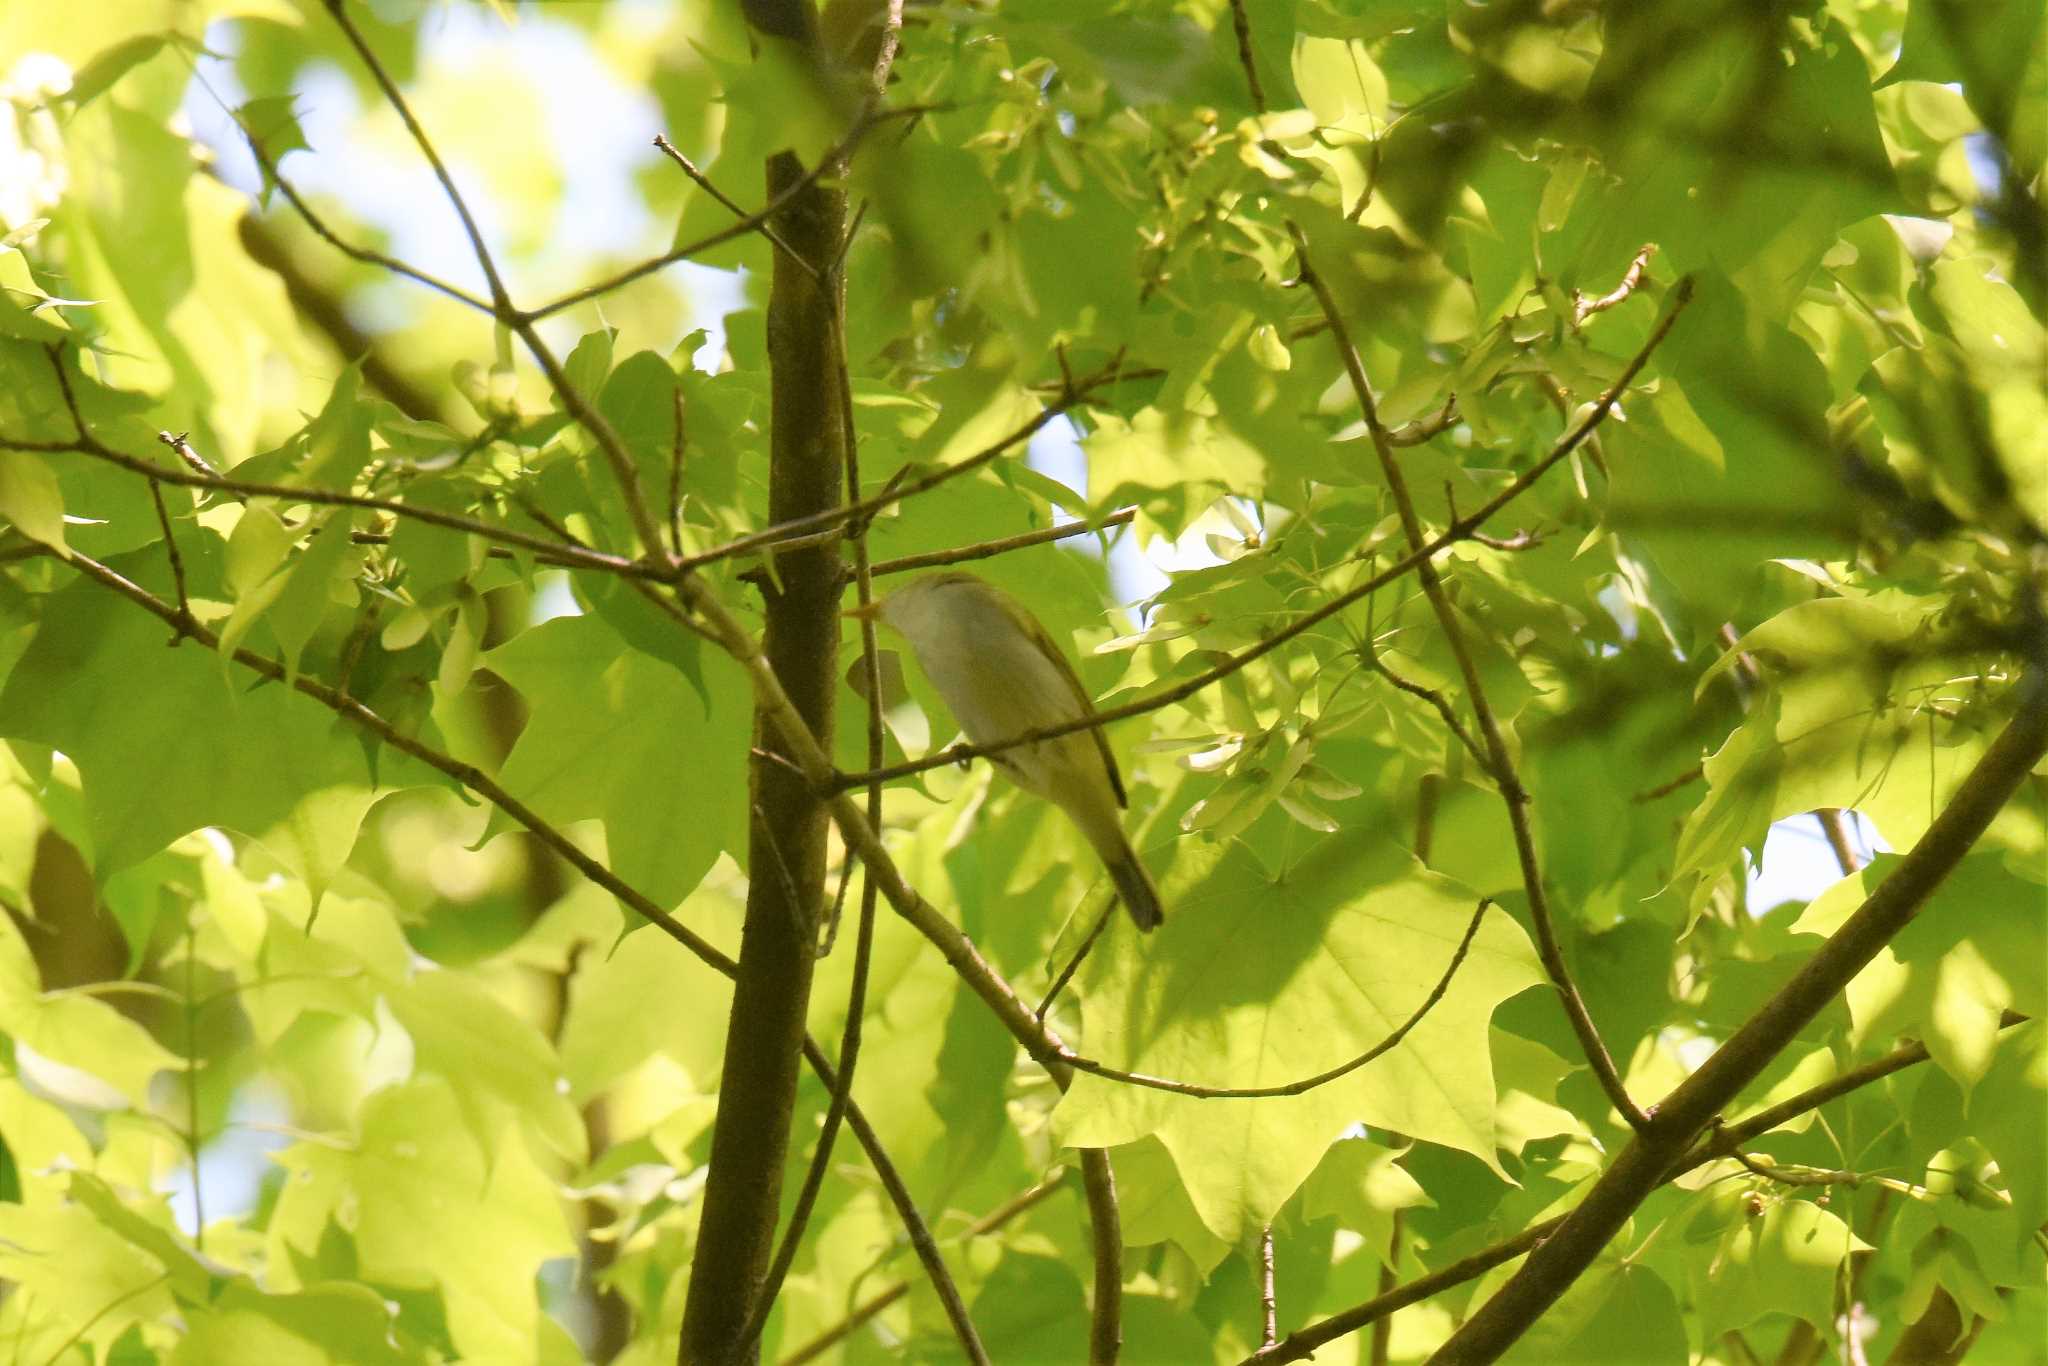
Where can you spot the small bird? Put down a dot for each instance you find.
(1003, 676)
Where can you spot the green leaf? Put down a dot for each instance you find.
(430, 1208)
(154, 759)
(30, 497)
(1974, 950)
(1785, 1260)
(618, 736)
(1259, 980)
(76, 1031)
(272, 123)
(499, 1066)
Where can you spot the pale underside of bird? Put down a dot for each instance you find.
(1002, 675)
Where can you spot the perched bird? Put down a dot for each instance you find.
(1003, 676)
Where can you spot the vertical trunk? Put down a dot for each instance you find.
(786, 840)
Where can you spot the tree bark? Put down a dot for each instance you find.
(787, 834)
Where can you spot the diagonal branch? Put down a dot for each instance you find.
(501, 303)
(1499, 760)
(982, 550)
(1302, 1345)
(1692, 1106)
(888, 1295)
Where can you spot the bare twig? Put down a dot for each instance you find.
(921, 1240)
(765, 227)
(1383, 1327)
(396, 99)
(888, 1295)
(834, 157)
(1073, 964)
(1584, 308)
(1424, 428)
(1837, 831)
(470, 776)
(982, 550)
(163, 521)
(1269, 1300)
(1241, 22)
(1105, 1319)
(1435, 699)
(1499, 760)
(1665, 789)
(809, 530)
(327, 234)
(198, 478)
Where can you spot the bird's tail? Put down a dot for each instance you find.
(1134, 888)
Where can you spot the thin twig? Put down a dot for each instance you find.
(1073, 965)
(1584, 308)
(765, 227)
(798, 531)
(750, 223)
(1002, 545)
(1837, 831)
(1242, 23)
(469, 775)
(293, 493)
(1435, 699)
(921, 1240)
(396, 99)
(1425, 428)
(1499, 761)
(1269, 1300)
(163, 520)
(1665, 789)
(1105, 1230)
(1452, 534)
(327, 234)
(1383, 1327)
(888, 1295)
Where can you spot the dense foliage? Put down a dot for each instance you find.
(374, 576)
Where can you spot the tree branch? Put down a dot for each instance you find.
(1301, 1345)
(1106, 1322)
(982, 550)
(1691, 1107)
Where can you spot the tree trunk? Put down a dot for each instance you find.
(786, 837)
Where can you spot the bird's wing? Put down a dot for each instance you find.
(1059, 659)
